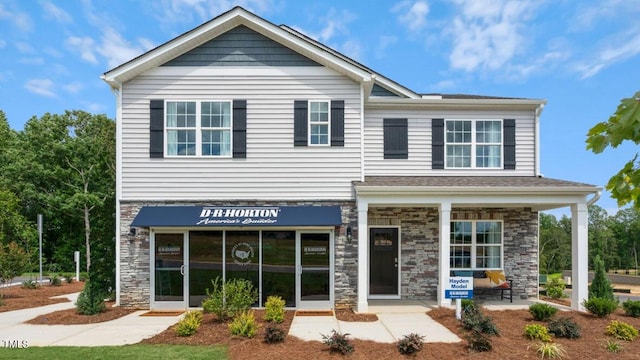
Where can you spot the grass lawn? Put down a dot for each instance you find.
(116, 352)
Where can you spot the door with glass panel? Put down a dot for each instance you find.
(315, 271)
(168, 271)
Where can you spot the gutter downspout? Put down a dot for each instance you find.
(595, 198)
(537, 113)
(118, 93)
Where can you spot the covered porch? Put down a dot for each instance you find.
(509, 204)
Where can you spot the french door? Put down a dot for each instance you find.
(315, 273)
(168, 277)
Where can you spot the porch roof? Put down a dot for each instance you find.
(515, 182)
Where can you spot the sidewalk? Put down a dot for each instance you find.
(129, 329)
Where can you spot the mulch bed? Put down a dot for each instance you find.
(16, 297)
(71, 316)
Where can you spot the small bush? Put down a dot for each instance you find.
(537, 332)
(600, 307)
(227, 300)
(555, 288)
(55, 281)
(613, 346)
(68, 277)
(564, 328)
(542, 312)
(621, 331)
(274, 309)
(189, 323)
(479, 342)
(631, 308)
(244, 325)
(274, 334)
(468, 306)
(91, 300)
(29, 284)
(410, 344)
(338, 342)
(550, 350)
(478, 322)
(600, 285)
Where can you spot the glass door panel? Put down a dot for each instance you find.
(205, 263)
(315, 269)
(279, 266)
(242, 258)
(169, 269)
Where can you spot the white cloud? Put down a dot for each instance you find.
(383, 43)
(3, 43)
(73, 87)
(42, 87)
(413, 15)
(591, 15)
(488, 34)
(617, 48)
(32, 61)
(117, 50)
(53, 12)
(184, 11)
(85, 46)
(96, 108)
(352, 48)
(20, 20)
(24, 47)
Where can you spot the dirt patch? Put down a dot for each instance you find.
(16, 297)
(349, 315)
(71, 317)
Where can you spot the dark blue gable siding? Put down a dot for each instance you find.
(378, 90)
(241, 46)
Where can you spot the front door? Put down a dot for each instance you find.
(314, 271)
(168, 275)
(383, 262)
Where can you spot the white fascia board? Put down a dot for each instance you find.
(468, 190)
(214, 28)
(476, 104)
(478, 200)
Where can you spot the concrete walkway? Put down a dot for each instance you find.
(129, 329)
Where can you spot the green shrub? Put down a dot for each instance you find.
(479, 342)
(274, 334)
(631, 308)
(478, 322)
(542, 312)
(274, 309)
(468, 306)
(600, 286)
(55, 280)
(613, 346)
(600, 307)
(537, 332)
(227, 300)
(550, 350)
(29, 284)
(621, 331)
(555, 288)
(564, 328)
(244, 325)
(410, 344)
(68, 277)
(338, 342)
(189, 323)
(91, 300)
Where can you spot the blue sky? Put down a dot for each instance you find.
(581, 56)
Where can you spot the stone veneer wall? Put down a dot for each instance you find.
(420, 238)
(135, 277)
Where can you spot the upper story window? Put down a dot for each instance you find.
(473, 143)
(198, 128)
(476, 245)
(319, 123)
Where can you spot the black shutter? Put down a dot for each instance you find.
(239, 129)
(156, 128)
(337, 123)
(509, 134)
(396, 139)
(300, 123)
(437, 143)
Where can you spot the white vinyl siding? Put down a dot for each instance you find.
(419, 128)
(273, 170)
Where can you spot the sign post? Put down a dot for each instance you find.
(459, 288)
(40, 244)
(76, 258)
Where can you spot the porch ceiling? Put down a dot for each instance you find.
(538, 193)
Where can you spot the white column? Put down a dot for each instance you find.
(579, 255)
(363, 258)
(443, 262)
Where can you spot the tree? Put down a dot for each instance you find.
(623, 125)
(601, 241)
(13, 262)
(600, 285)
(555, 243)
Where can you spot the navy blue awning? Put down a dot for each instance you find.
(190, 216)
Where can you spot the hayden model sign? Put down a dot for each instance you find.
(199, 216)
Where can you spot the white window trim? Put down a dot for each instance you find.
(474, 145)
(474, 245)
(309, 122)
(198, 128)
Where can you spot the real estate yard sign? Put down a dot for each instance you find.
(459, 288)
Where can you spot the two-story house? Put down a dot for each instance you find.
(248, 150)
